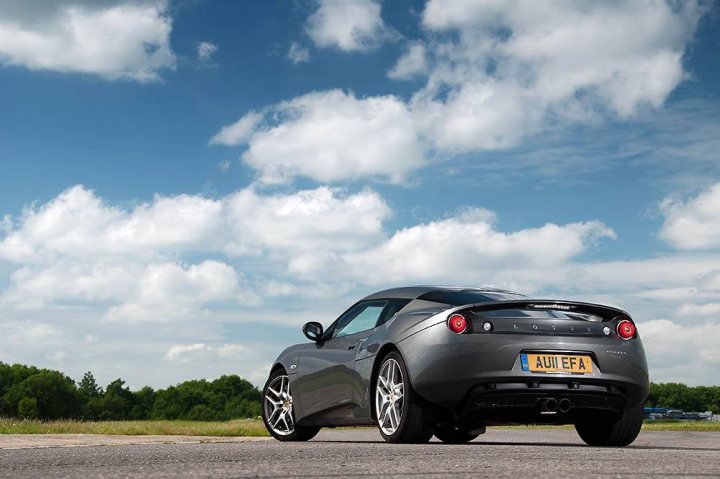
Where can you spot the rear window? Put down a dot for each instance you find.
(462, 297)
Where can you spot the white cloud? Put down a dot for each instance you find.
(463, 248)
(36, 286)
(496, 74)
(516, 68)
(79, 224)
(171, 291)
(114, 39)
(239, 132)
(328, 136)
(287, 258)
(298, 53)
(693, 223)
(320, 219)
(413, 63)
(180, 352)
(124, 263)
(205, 51)
(683, 353)
(711, 310)
(349, 25)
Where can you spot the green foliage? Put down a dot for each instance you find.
(31, 393)
(28, 409)
(55, 394)
(225, 398)
(680, 396)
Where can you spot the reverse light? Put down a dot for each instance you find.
(626, 329)
(457, 323)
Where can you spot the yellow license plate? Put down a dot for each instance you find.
(556, 363)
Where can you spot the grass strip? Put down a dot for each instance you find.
(242, 427)
(238, 427)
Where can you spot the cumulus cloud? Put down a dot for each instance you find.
(78, 249)
(516, 68)
(319, 219)
(113, 39)
(205, 51)
(467, 247)
(80, 225)
(495, 73)
(328, 136)
(349, 25)
(693, 223)
(171, 291)
(239, 132)
(686, 353)
(189, 267)
(413, 63)
(298, 53)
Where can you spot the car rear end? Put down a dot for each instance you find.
(528, 361)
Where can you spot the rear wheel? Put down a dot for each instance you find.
(278, 413)
(451, 434)
(400, 416)
(619, 433)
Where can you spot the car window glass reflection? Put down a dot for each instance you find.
(362, 318)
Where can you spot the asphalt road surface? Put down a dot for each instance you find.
(518, 453)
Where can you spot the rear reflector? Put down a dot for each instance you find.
(626, 329)
(457, 323)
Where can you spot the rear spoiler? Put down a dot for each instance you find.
(605, 312)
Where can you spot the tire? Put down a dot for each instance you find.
(277, 402)
(413, 424)
(450, 434)
(619, 433)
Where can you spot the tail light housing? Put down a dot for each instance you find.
(626, 329)
(457, 323)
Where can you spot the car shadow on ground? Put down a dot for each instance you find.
(526, 444)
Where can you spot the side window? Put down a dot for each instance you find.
(362, 317)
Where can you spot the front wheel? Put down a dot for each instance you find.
(400, 417)
(278, 413)
(618, 433)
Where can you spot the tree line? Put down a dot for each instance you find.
(680, 396)
(29, 392)
(32, 393)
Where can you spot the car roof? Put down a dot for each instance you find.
(412, 292)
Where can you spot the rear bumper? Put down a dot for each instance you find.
(539, 403)
(483, 371)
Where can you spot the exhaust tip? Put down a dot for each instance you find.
(564, 405)
(548, 405)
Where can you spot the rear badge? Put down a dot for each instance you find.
(616, 354)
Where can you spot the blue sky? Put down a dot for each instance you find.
(185, 183)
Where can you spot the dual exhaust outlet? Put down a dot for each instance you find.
(552, 405)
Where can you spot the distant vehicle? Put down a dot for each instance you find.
(418, 361)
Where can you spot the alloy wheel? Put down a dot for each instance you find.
(389, 397)
(278, 406)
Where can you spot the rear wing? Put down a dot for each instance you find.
(607, 313)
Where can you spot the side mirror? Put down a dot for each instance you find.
(313, 331)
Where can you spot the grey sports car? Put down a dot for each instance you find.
(424, 361)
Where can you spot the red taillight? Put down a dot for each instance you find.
(626, 329)
(457, 323)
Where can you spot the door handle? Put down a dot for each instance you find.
(352, 346)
